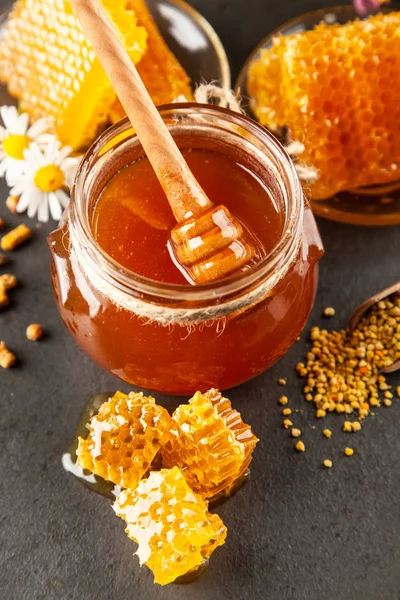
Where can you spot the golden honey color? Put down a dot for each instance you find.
(130, 221)
(334, 88)
(39, 36)
(170, 523)
(214, 446)
(124, 438)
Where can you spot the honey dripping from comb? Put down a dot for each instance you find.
(132, 220)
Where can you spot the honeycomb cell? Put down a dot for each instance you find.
(332, 79)
(124, 438)
(49, 65)
(161, 72)
(170, 523)
(213, 445)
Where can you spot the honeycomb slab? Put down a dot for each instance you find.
(170, 523)
(333, 88)
(49, 65)
(124, 438)
(160, 70)
(213, 446)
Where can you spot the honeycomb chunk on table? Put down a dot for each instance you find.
(49, 65)
(334, 88)
(124, 438)
(160, 70)
(170, 523)
(213, 446)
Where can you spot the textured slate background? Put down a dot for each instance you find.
(296, 531)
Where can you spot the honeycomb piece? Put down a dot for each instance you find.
(233, 420)
(162, 74)
(170, 523)
(333, 88)
(213, 446)
(264, 75)
(124, 438)
(50, 66)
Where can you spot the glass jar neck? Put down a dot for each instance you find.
(207, 127)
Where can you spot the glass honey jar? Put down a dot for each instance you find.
(131, 309)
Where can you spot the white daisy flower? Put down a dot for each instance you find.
(15, 137)
(42, 185)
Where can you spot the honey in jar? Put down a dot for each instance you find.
(132, 220)
(127, 304)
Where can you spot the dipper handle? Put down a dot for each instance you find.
(185, 195)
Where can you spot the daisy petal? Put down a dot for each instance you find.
(20, 186)
(51, 150)
(62, 197)
(62, 155)
(34, 156)
(3, 166)
(9, 114)
(15, 169)
(17, 177)
(23, 202)
(69, 171)
(38, 128)
(22, 124)
(43, 211)
(36, 198)
(3, 133)
(55, 207)
(71, 161)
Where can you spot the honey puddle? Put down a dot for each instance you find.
(109, 490)
(68, 460)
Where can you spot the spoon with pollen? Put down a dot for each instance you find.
(364, 307)
(208, 243)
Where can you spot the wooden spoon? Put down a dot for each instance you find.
(208, 243)
(360, 311)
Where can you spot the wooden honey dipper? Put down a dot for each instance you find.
(208, 243)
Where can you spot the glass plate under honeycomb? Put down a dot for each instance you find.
(373, 205)
(190, 37)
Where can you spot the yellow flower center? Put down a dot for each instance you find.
(14, 145)
(49, 178)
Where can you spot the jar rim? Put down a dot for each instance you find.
(130, 281)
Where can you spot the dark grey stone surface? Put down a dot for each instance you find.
(296, 532)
